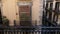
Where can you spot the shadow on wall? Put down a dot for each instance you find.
(25, 23)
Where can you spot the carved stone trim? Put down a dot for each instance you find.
(24, 3)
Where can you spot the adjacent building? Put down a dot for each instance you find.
(51, 12)
(51, 15)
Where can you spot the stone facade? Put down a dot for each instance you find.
(10, 8)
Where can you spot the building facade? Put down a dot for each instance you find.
(11, 9)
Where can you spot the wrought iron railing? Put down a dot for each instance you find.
(32, 30)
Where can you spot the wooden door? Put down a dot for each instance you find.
(25, 15)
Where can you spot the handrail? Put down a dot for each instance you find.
(39, 26)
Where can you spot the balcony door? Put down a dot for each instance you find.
(25, 15)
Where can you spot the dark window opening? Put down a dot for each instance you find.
(0, 17)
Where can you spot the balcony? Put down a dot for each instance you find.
(37, 30)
